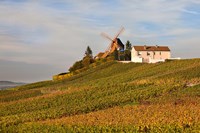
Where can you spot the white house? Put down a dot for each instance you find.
(150, 54)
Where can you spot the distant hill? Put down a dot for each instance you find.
(111, 97)
(9, 84)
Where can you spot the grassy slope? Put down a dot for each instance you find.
(138, 97)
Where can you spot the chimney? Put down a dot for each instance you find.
(145, 47)
(157, 46)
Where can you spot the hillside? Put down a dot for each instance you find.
(112, 97)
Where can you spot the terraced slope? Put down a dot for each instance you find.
(112, 97)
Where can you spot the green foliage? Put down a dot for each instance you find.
(116, 54)
(77, 65)
(35, 127)
(98, 88)
(121, 55)
(87, 60)
(19, 95)
(128, 45)
(100, 61)
(34, 85)
(127, 52)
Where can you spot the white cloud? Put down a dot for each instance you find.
(191, 12)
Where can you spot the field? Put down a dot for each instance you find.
(112, 97)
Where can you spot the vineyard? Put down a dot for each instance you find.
(112, 97)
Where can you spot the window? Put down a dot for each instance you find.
(139, 53)
(154, 53)
(148, 53)
(160, 53)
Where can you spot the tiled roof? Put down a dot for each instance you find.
(151, 48)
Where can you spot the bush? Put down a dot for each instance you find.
(77, 65)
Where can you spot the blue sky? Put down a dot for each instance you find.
(51, 34)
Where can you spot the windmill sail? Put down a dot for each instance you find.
(116, 43)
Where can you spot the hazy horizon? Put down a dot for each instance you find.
(41, 38)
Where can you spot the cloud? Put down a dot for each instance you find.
(191, 12)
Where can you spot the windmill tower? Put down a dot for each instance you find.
(116, 43)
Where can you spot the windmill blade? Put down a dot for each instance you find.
(112, 50)
(105, 54)
(113, 47)
(106, 36)
(114, 43)
(109, 47)
(120, 31)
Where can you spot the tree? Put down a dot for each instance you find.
(85, 62)
(128, 50)
(88, 51)
(88, 58)
(128, 45)
(77, 65)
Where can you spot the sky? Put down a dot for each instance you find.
(41, 38)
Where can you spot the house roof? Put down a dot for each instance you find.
(119, 42)
(151, 48)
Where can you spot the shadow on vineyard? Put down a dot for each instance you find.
(112, 97)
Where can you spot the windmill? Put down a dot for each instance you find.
(116, 43)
